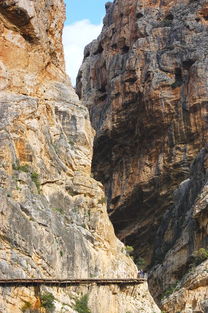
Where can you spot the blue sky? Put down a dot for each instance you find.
(93, 10)
(83, 24)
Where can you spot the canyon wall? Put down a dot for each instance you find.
(53, 219)
(145, 83)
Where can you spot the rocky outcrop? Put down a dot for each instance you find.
(181, 234)
(193, 288)
(53, 219)
(144, 81)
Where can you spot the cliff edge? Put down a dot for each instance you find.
(53, 219)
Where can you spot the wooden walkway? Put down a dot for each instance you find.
(71, 282)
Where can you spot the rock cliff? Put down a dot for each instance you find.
(53, 219)
(144, 81)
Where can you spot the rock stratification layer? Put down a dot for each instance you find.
(53, 220)
(144, 81)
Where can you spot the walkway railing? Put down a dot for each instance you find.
(71, 282)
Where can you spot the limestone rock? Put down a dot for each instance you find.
(53, 219)
(193, 288)
(184, 229)
(144, 81)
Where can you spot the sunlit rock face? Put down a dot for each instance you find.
(144, 81)
(53, 220)
(190, 294)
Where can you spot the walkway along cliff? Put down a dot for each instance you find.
(53, 219)
(145, 82)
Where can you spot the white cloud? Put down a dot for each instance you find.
(75, 37)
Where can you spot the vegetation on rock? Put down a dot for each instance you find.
(200, 256)
(36, 181)
(140, 263)
(170, 290)
(47, 301)
(129, 250)
(81, 305)
(22, 168)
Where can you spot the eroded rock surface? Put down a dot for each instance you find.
(192, 288)
(182, 232)
(144, 81)
(53, 219)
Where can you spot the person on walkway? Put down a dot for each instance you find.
(139, 274)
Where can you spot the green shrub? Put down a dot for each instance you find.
(81, 305)
(22, 168)
(200, 256)
(47, 301)
(71, 142)
(129, 249)
(172, 288)
(140, 263)
(59, 210)
(35, 179)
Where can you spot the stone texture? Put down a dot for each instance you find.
(193, 288)
(53, 219)
(144, 81)
(183, 231)
(101, 299)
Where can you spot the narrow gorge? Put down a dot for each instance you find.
(134, 136)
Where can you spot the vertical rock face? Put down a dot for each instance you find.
(181, 234)
(53, 220)
(144, 81)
